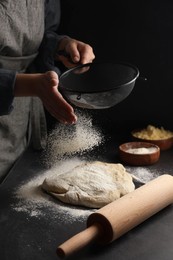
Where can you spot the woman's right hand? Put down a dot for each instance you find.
(45, 86)
(54, 101)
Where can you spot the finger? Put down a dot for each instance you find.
(60, 115)
(87, 56)
(60, 109)
(52, 77)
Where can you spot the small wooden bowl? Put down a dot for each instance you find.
(139, 153)
(164, 144)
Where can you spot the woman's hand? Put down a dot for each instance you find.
(77, 52)
(45, 86)
(54, 101)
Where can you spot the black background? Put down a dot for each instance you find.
(139, 32)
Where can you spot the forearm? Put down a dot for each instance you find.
(27, 84)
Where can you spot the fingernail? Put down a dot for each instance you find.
(74, 120)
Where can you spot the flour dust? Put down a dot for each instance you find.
(66, 141)
(143, 174)
(33, 201)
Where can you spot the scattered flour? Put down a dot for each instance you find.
(33, 201)
(143, 174)
(68, 140)
(65, 142)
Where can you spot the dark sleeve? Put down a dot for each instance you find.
(7, 79)
(45, 60)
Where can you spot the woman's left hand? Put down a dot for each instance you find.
(76, 52)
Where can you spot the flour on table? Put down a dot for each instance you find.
(34, 202)
(91, 184)
(143, 174)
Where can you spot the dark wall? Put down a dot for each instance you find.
(139, 32)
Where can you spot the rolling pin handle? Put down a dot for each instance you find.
(79, 241)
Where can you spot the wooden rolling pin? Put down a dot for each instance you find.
(120, 216)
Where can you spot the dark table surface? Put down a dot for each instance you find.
(24, 236)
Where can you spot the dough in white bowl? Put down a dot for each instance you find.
(91, 184)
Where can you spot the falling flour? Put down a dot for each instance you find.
(68, 140)
(33, 201)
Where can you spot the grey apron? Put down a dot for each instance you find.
(22, 28)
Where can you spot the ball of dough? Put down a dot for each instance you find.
(91, 184)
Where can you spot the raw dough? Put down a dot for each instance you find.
(91, 184)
